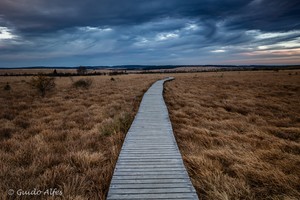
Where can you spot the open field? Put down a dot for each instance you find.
(70, 139)
(239, 132)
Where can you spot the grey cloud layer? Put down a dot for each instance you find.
(93, 30)
(44, 15)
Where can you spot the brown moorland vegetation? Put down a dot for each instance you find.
(69, 139)
(239, 132)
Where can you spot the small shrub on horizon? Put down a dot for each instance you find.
(42, 83)
(83, 83)
(81, 70)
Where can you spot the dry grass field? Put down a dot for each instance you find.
(239, 132)
(70, 139)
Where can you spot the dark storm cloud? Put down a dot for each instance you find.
(44, 16)
(115, 29)
(275, 15)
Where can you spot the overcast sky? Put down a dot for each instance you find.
(115, 32)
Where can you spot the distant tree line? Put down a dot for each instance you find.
(223, 69)
(84, 71)
(80, 71)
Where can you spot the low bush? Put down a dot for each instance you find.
(83, 83)
(42, 84)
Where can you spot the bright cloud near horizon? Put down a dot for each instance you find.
(156, 32)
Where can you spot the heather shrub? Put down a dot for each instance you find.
(83, 83)
(42, 84)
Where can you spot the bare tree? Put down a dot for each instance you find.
(42, 83)
(81, 70)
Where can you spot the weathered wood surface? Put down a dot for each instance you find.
(150, 165)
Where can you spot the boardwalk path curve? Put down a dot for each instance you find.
(150, 165)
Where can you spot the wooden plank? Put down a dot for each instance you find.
(150, 165)
(149, 181)
(147, 154)
(142, 173)
(146, 166)
(150, 190)
(158, 169)
(149, 185)
(152, 196)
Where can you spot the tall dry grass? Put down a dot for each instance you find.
(239, 132)
(68, 140)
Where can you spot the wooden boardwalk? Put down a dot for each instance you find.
(150, 165)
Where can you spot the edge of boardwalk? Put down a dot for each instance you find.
(150, 165)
